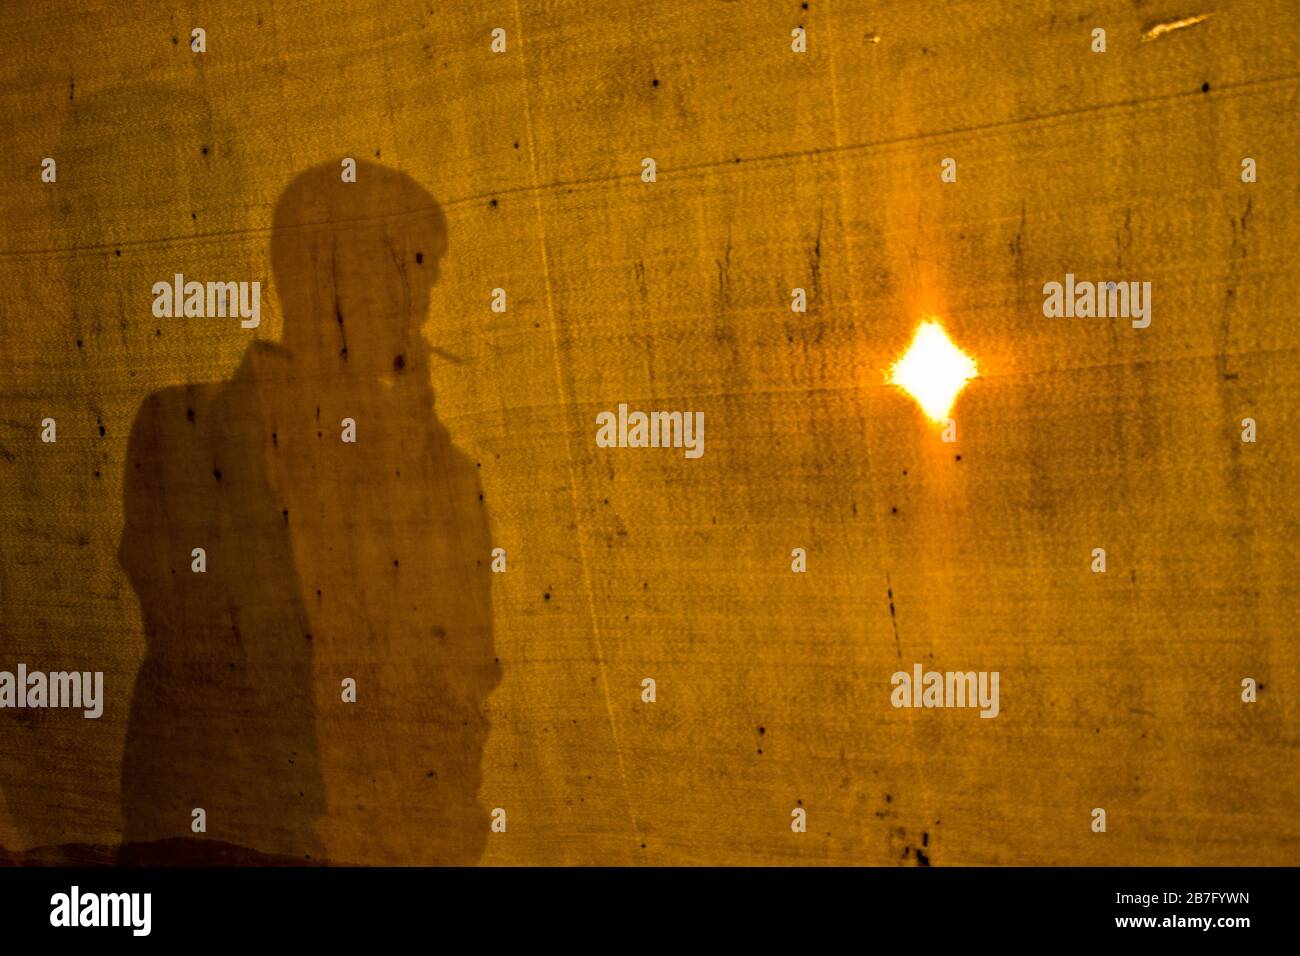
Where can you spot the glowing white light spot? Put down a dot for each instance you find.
(933, 370)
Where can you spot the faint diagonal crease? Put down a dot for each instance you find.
(567, 403)
(689, 168)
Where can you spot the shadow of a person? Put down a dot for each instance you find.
(327, 560)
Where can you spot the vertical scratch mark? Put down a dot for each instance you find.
(893, 618)
(817, 255)
(918, 782)
(853, 301)
(565, 400)
(842, 211)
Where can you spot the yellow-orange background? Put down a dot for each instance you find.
(775, 170)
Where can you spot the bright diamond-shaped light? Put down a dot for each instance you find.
(933, 370)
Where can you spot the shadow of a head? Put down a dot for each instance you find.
(353, 264)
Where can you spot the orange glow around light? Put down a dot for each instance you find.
(933, 370)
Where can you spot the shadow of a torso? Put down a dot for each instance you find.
(222, 714)
(325, 561)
